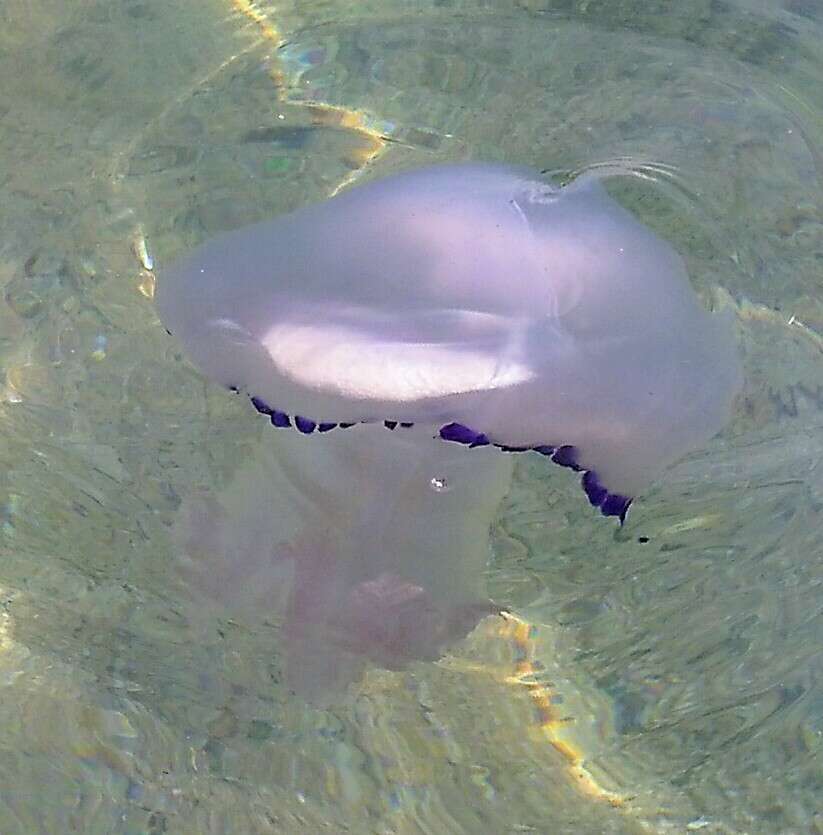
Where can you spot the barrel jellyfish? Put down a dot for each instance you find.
(407, 340)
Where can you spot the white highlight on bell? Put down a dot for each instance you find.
(340, 360)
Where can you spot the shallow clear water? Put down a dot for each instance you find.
(683, 648)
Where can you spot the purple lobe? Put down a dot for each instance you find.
(616, 505)
(458, 433)
(280, 419)
(261, 406)
(593, 488)
(566, 456)
(304, 425)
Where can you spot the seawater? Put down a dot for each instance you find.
(658, 677)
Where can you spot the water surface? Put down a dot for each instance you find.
(684, 646)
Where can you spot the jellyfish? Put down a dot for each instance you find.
(407, 340)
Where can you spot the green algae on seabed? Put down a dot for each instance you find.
(276, 165)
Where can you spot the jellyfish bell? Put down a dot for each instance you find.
(422, 329)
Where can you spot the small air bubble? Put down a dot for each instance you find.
(439, 485)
